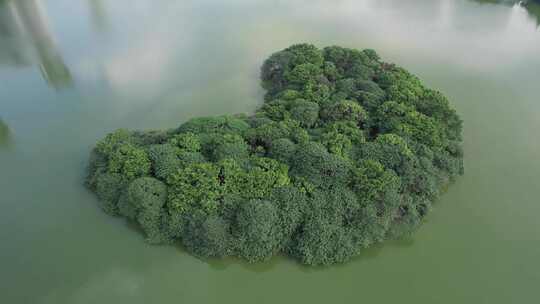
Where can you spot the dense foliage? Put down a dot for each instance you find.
(346, 151)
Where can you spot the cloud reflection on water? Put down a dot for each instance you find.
(26, 39)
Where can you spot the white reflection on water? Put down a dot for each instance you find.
(143, 64)
(166, 40)
(461, 34)
(26, 38)
(463, 38)
(160, 47)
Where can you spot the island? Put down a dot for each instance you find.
(346, 151)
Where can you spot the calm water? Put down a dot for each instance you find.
(71, 71)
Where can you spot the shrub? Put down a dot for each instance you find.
(257, 231)
(313, 162)
(145, 200)
(346, 110)
(207, 236)
(129, 161)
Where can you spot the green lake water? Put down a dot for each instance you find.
(72, 71)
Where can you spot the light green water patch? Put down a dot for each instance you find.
(151, 64)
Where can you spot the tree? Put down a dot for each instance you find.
(291, 204)
(282, 149)
(305, 112)
(378, 192)
(263, 176)
(195, 187)
(390, 150)
(223, 146)
(129, 161)
(144, 202)
(188, 142)
(164, 159)
(207, 236)
(109, 187)
(256, 230)
(304, 74)
(324, 237)
(219, 124)
(111, 142)
(346, 110)
(313, 162)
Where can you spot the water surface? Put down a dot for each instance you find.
(72, 71)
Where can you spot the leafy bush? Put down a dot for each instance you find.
(207, 236)
(144, 202)
(257, 231)
(313, 162)
(129, 161)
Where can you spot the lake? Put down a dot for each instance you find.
(72, 71)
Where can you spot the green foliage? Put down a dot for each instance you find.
(324, 238)
(264, 175)
(265, 134)
(291, 204)
(351, 62)
(260, 177)
(337, 143)
(195, 186)
(313, 162)
(144, 202)
(207, 236)
(219, 124)
(257, 231)
(129, 161)
(389, 149)
(378, 191)
(370, 94)
(282, 150)
(223, 146)
(347, 151)
(295, 67)
(349, 129)
(188, 142)
(111, 142)
(330, 71)
(305, 112)
(406, 121)
(164, 160)
(304, 74)
(146, 138)
(109, 187)
(345, 110)
(305, 53)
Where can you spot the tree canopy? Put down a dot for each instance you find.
(347, 151)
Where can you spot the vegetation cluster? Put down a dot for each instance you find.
(346, 152)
